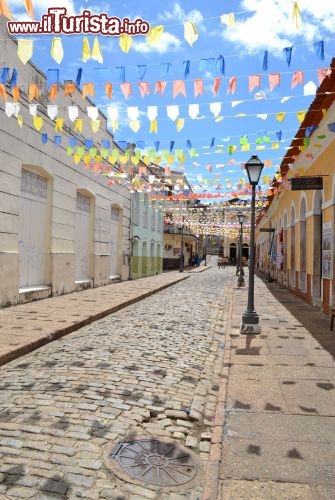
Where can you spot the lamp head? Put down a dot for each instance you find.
(241, 217)
(254, 168)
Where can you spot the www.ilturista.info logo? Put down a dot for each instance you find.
(56, 21)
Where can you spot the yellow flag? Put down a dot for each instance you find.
(20, 120)
(123, 159)
(218, 119)
(96, 51)
(154, 34)
(86, 55)
(153, 127)
(301, 170)
(296, 16)
(57, 52)
(78, 125)
(228, 19)
(190, 32)
(180, 122)
(245, 147)
(301, 116)
(170, 159)
(275, 145)
(280, 116)
(38, 122)
(135, 160)
(115, 125)
(59, 124)
(146, 160)
(125, 42)
(25, 49)
(95, 125)
(135, 125)
(76, 158)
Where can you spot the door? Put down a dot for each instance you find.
(82, 237)
(115, 221)
(33, 229)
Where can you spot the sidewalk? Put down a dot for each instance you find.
(26, 327)
(279, 429)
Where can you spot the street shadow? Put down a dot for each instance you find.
(309, 317)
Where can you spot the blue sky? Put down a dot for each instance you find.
(260, 26)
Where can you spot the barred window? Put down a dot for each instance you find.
(34, 184)
(83, 202)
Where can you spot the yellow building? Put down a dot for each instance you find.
(300, 254)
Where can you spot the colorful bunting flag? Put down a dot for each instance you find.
(96, 51)
(126, 89)
(86, 51)
(178, 88)
(254, 82)
(198, 87)
(29, 8)
(298, 77)
(232, 85)
(190, 32)
(154, 34)
(296, 16)
(228, 19)
(216, 85)
(109, 89)
(144, 88)
(274, 80)
(4, 9)
(160, 87)
(125, 42)
(57, 51)
(25, 49)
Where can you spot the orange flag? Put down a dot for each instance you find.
(216, 85)
(33, 91)
(144, 88)
(69, 88)
(88, 89)
(254, 81)
(178, 88)
(109, 90)
(322, 73)
(160, 87)
(298, 77)
(4, 9)
(53, 92)
(16, 93)
(3, 92)
(126, 89)
(274, 79)
(29, 8)
(198, 87)
(232, 85)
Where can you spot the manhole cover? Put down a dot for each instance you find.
(152, 461)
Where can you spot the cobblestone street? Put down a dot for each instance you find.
(151, 369)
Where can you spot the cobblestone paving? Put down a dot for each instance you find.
(151, 369)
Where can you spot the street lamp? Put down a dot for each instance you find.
(241, 219)
(181, 263)
(250, 319)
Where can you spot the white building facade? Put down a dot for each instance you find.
(62, 226)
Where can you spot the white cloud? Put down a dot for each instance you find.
(167, 43)
(270, 25)
(179, 16)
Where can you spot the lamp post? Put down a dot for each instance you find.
(241, 219)
(250, 319)
(181, 263)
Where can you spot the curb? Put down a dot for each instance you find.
(61, 332)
